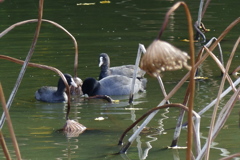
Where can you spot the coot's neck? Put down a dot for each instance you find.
(95, 88)
(105, 69)
(61, 86)
(105, 66)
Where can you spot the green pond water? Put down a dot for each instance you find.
(115, 28)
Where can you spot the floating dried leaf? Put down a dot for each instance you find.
(85, 4)
(177, 147)
(198, 78)
(104, 2)
(99, 119)
(133, 109)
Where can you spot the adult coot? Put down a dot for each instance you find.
(111, 85)
(125, 70)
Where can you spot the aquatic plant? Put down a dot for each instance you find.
(161, 56)
(198, 25)
(156, 66)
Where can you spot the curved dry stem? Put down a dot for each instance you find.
(235, 72)
(231, 156)
(199, 20)
(43, 67)
(205, 7)
(198, 23)
(171, 10)
(218, 97)
(9, 123)
(51, 22)
(153, 65)
(224, 71)
(219, 48)
(229, 105)
(158, 65)
(24, 67)
(204, 57)
(228, 65)
(4, 146)
(211, 48)
(192, 72)
(199, 32)
(175, 89)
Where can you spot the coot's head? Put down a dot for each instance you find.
(70, 80)
(104, 60)
(89, 87)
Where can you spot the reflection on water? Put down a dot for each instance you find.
(153, 137)
(224, 151)
(71, 148)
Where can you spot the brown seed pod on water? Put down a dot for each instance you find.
(73, 128)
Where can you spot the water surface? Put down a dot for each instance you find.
(115, 28)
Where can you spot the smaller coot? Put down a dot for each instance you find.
(55, 94)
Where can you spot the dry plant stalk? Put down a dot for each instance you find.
(175, 89)
(55, 24)
(70, 123)
(39, 20)
(161, 56)
(221, 120)
(141, 50)
(9, 123)
(231, 156)
(28, 58)
(205, 55)
(200, 53)
(43, 67)
(159, 65)
(225, 75)
(4, 146)
(224, 71)
(234, 97)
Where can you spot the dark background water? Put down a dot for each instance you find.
(115, 28)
